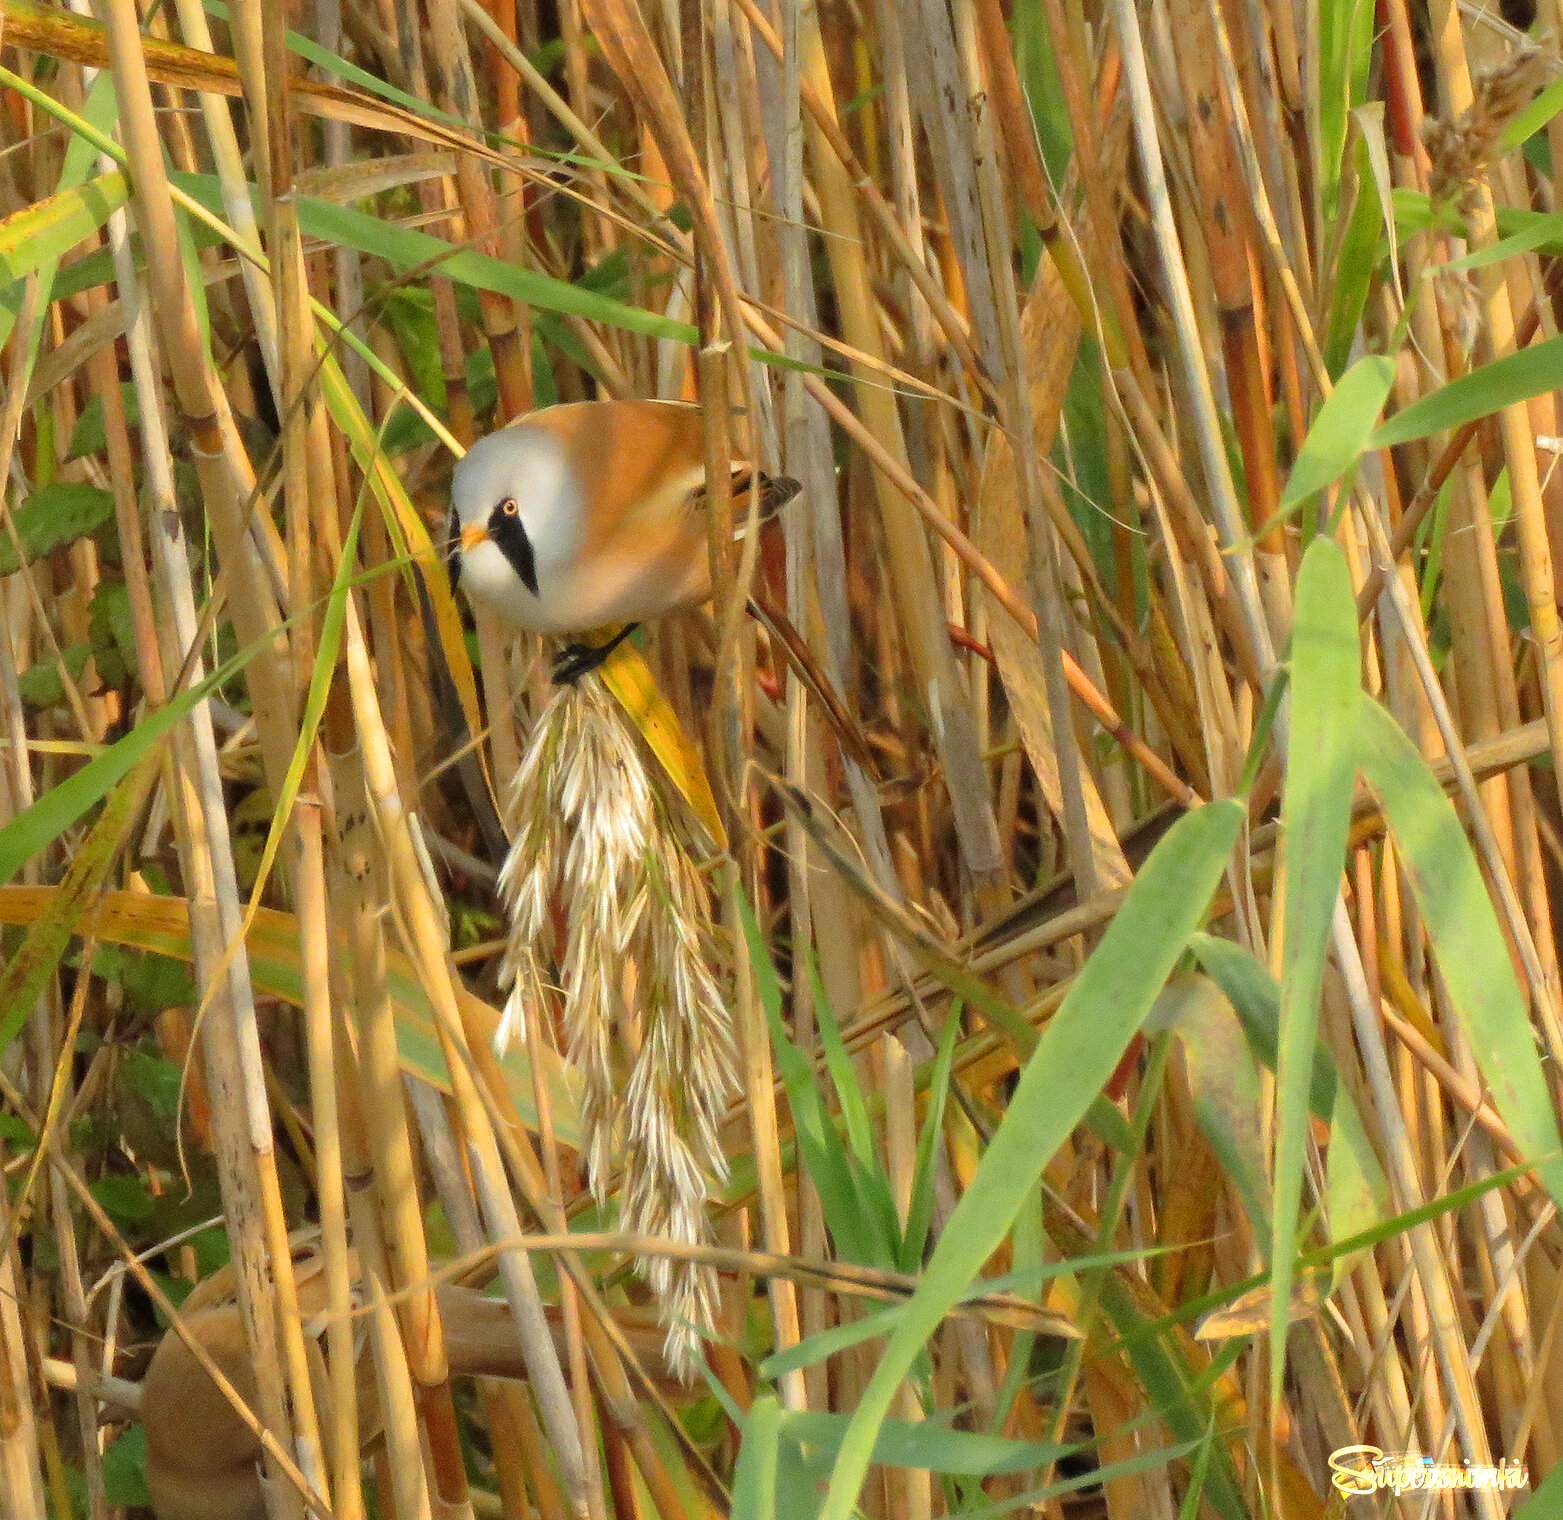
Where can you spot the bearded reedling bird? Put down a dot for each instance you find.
(592, 513)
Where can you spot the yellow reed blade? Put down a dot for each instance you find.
(146, 921)
(629, 678)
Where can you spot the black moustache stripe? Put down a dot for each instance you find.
(507, 532)
(453, 551)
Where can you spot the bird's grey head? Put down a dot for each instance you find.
(523, 464)
(516, 517)
(526, 465)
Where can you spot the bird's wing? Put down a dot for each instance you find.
(637, 462)
(642, 465)
(775, 492)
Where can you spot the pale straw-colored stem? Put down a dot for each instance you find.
(919, 606)
(342, 1439)
(19, 1450)
(1431, 1268)
(246, 1161)
(1218, 475)
(430, 954)
(407, 1488)
(539, 1039)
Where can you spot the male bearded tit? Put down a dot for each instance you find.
(592, 513)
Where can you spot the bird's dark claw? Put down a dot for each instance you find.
(575, 660)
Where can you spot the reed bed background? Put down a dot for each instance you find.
(1134, 937)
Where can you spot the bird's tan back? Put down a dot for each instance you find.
(203, 1460)
(201, 1457)
(637, 462)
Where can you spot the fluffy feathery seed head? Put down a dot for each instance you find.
(589, 827)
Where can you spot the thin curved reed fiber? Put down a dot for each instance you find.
(588, 825)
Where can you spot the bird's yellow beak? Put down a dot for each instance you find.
(473, 535)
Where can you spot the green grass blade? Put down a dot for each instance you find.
(1345, 48)
(820, 1150)
(36, 959)
(195, 276)
(406, 248)
(1357, 1194)
(61, 806)
(1224, 1083)
(871, 1179)
(47, 230)
(1356, 267)
(1028, 1245)
(1038, 71)
(1073, 1059)
(1516, 377)
(919, 1212)
(1533, 118)
(1386, 1229)
(1414, 213)
(408, 533)
(1356, 1191)
(1171, 1387)
(42, 233)
(1189, 1509)
(854, 1112)
(1466, 937)
(882, 1321)
(1256, 999)
(101, 109)
(925, 1445)
(754, 1482)
(1341, 430)
(1316, 819)
(831, 1342)
(1544, 227)
(328, 647)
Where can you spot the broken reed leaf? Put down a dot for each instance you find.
(59, 34)
(48, 229)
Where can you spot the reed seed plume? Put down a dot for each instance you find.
(644, 1019)
(1461, 149)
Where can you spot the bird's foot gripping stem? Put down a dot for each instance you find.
(575, 660)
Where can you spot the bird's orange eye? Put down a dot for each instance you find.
(508, 506)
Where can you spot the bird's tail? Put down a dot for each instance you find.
(775, 492)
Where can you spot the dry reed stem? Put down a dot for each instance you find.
(428, 943)
(340, 1420)
(402, 1462)
(19, 1450)
(232, 1047)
